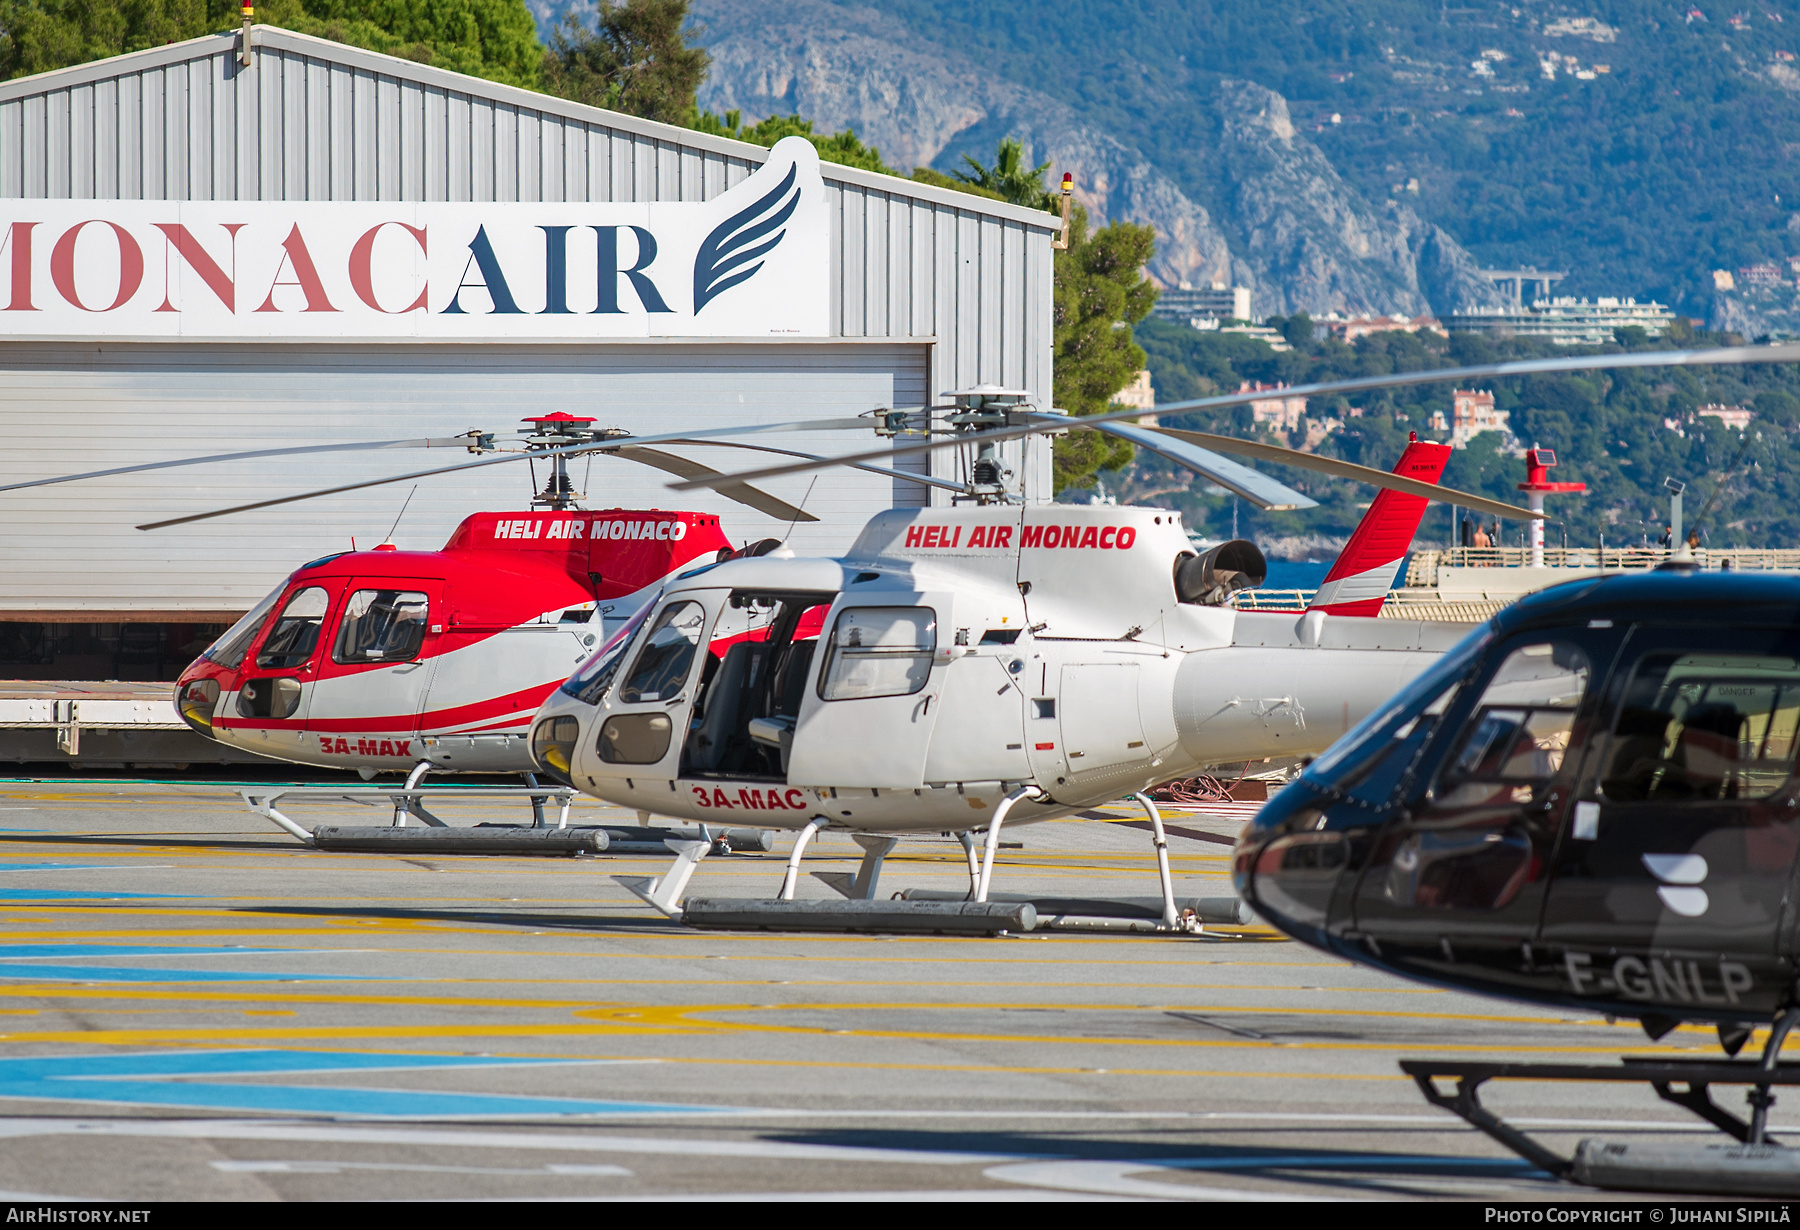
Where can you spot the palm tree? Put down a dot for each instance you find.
(1010, 178)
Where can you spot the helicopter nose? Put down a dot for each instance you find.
(1290, 872)
(196, 700)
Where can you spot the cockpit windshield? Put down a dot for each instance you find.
(590, 681)
(229, 650)
(1394, 719)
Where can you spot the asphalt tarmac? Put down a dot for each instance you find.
(195, 1006)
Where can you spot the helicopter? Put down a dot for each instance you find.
(1589, 803)
(989, 661)
(383, 660)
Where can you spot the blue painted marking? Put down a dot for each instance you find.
(133, 1080)
(125, 973)
(9, 952)
(42, 866)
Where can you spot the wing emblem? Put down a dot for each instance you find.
(741, 239)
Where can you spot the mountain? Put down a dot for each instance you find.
(1283, 221)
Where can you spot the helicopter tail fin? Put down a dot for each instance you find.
(1359, 580)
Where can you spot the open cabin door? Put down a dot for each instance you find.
(867, 722)
(647, 713)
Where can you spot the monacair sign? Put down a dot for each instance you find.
(751, 262)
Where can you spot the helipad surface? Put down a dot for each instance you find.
(194, 1006)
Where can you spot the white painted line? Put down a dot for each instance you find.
(314, 1167)
(1113, 1178)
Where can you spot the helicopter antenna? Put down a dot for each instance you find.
(401, 513)
(801, 511)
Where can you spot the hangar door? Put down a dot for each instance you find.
(72, 551)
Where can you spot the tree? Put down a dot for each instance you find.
(840, 147)
(1101, 292)
(635, 59)
(1009, 178)
(496, 39)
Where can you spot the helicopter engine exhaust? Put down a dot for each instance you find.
(1208, 580)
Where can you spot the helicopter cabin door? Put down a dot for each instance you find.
(376, 673)
(646, 717)
(277, 684)
(1674, 875)
(867, 721)
(1486, 774)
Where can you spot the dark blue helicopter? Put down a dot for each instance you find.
(1591, 802)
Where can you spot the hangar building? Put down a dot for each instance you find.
(200, 255)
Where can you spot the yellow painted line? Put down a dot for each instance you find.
(1372, 1013)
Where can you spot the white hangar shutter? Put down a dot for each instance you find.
(68, 407)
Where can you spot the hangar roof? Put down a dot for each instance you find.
(317, 120)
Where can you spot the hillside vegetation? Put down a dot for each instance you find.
(1608, 430)
(1679, 159)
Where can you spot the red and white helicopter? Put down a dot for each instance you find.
(384, 660)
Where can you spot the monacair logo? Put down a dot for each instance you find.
(754, 260)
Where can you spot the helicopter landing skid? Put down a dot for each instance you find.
(407, 802)
(1685, 1082)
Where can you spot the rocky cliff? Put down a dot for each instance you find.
(1285, 222)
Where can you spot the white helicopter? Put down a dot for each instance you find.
(986, 663)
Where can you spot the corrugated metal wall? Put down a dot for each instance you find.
(314, 121)
(69, 408)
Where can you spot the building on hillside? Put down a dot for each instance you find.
(1735, 417)
(1262, 333)
(1351, 328)
(276, 207)
(1567, 322)
(1196, 306)
(1473, 413)
(1138, 395)
(1766, 273)
(1281, 413)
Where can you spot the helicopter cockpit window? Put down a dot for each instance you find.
(663, 663)
(1374, 780)
(381, 625)
(1704, 726)
(291, 641)
(229, 650)
(879, 651)
(589, 683)
(1519, 730)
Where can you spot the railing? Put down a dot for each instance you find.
(1294, 600)
(1400, 604)
(1422, 572)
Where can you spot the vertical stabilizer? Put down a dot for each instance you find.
(1359, 581)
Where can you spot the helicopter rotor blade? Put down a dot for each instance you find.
(1350, 470)
(922, 479)
(363, 445)
(565, 450)
(1261, 490)
(743, 493)
(1786, 352)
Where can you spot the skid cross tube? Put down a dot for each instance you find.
(1695, 1076)
(405, 801)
